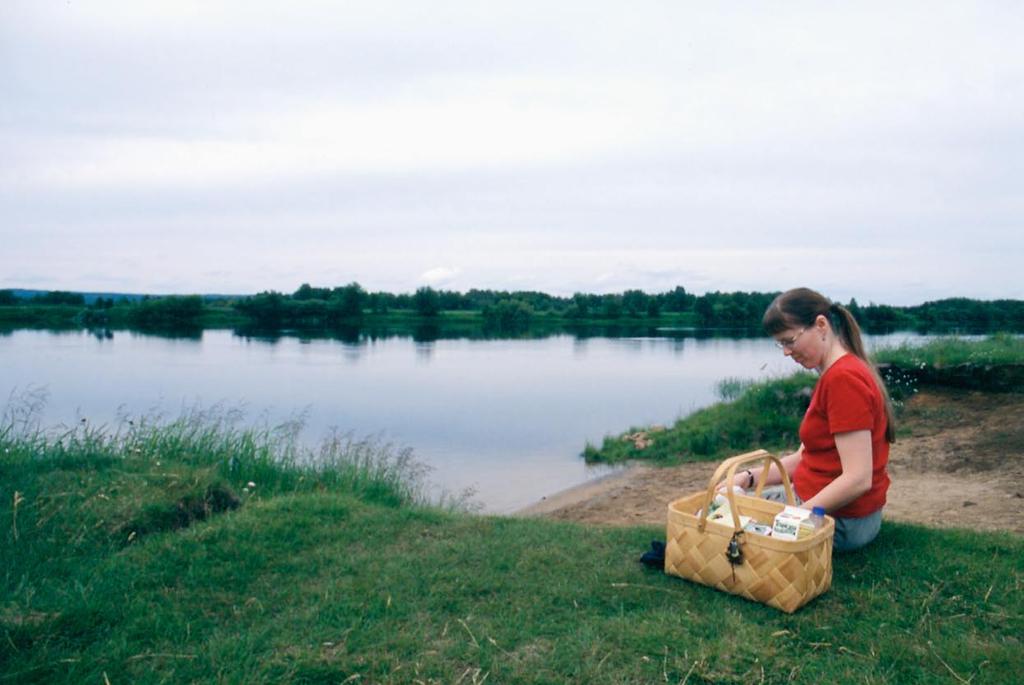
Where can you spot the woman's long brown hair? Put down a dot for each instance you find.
(802, 307)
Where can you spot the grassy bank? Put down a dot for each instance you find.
(767, 413)
(1000, 349)
(994, 364)
(337, 572)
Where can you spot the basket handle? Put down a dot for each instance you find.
(727, 470)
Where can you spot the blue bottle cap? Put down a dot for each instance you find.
(818, 511)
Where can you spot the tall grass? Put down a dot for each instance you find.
(252, 458)
(995, 350)
(71, 496)
(994, 364)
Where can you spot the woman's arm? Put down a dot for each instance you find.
(789, 462)
(856, 458)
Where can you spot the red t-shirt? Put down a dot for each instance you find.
(845, 399)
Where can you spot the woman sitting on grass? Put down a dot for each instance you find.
(845, 434)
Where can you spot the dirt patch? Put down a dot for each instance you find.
(182, 513)
(956, 463)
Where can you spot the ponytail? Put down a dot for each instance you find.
(846, 327)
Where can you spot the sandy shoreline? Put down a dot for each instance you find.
(583, 492)
(949, 472)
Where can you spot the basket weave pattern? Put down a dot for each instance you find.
(785, 574)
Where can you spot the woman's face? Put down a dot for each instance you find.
(799, 344)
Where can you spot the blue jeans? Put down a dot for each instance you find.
(851, 533)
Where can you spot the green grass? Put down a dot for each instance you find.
(93, 490)
(762, 414)
(321, 588)
(998, 349)
(338, 571)
(994, 364)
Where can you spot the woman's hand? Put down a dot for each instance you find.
(748, 478)
(743, 480)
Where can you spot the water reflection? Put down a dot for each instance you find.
(170, 332)
(424, 351)
(579, 347)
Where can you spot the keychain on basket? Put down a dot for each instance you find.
(734, 553)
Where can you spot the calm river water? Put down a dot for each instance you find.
(507, 418)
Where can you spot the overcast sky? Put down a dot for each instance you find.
(869, 150)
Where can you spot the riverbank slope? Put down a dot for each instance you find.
(958, 463)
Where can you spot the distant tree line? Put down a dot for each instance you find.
(503, 309)
(175, 311)
(313, 307)
(52, 297)
(954, 312)
(316, 306)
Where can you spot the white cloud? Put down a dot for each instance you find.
(440, 275)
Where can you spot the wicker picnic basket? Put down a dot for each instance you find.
(785, 574)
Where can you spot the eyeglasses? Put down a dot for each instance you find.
(788, 344)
